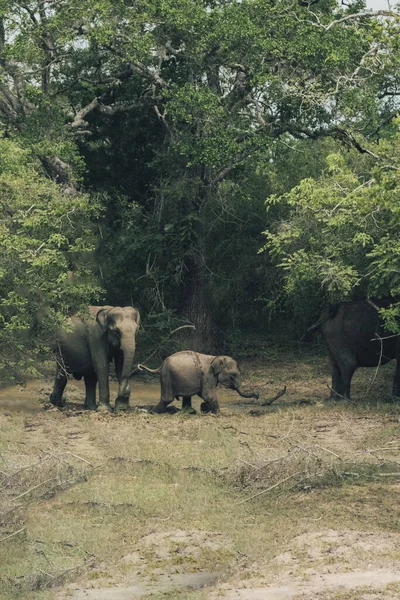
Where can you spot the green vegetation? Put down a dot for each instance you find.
(140, 143)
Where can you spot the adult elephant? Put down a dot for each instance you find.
(185, 374)
(354, 335)
(87, 345)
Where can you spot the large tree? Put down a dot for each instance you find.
(198, 95)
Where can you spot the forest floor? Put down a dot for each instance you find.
(296, 500)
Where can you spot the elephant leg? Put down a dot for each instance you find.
(167, 394)
(396, 381)
(101, 369)
(187, 405)
(210, 404)
(337, 389)
(347, 365)
(161, 407)
(90, 399)
(60, 382)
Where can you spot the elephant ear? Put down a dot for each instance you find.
(137, 317)
(216, 364)
(101, 319)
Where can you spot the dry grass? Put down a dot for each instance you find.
(83, 491)
(25, 481)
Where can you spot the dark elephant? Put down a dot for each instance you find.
(185, 374)
(87, 345)
(355, 337)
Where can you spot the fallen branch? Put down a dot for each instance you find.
(12, 534)
(278, 395)
(61, 575)
(234, 428)
(327, 450)
(33, 488)
(337, 395)
(270, 488)
(79, 458)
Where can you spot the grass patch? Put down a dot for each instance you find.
(30, 564)
(102, 498)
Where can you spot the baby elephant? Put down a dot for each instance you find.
(189, 373)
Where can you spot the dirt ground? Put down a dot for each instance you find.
(299, 499)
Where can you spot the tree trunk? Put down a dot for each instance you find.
(195, 290)
(196, 308)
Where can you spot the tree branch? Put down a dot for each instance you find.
(375, 13)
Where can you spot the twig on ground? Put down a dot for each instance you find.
(57, 577)
(45, 573)
(289, 430)
(336, 393)
(79, 458)
(270, 462)
(247, 463)
(12, 534)
(195, 468)
(244, 443)
(33, 488)
(270, 488)
(347, 422)
(327, 450)
(380, 449)
(278, 395)
(234, 428)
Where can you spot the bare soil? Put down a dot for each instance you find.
(298, 499)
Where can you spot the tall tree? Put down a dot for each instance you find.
(216, 85)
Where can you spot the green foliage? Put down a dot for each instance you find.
(340, 235)
(178, 118)
(46, 249)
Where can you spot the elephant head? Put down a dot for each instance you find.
(120, 325)
(227, 373)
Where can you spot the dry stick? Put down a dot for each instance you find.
(65, 572)
(273, 460)
(387, 337)
(12, 534)
(162, 342)
(380, 449)
(80, 458)
(377, 336)
(234, 428)
(289, 430)
(46, 573)
(33, 488)
(302, 448)
(270, 488)
(335, 392)
(347, 422)
(247, 463)
(327, 450)
(278, 395)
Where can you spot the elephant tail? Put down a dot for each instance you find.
(144, 368)
(326, 315)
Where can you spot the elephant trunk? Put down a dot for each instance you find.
(128, 350)
(247, 394)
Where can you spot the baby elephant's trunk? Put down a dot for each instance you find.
(247, 394)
